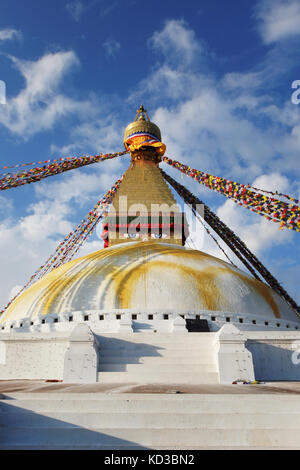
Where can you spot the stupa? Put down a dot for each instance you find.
(145, 280)
(145, 268)
(147, 311)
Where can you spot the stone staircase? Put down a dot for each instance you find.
(62, 420)
(157, 358)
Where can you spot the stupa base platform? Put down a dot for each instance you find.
(39, 415)
(86, 355)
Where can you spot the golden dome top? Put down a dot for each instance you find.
(142, 125)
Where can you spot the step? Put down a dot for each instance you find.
(150, 368)
(60, 419)
(157, 349)
(165, 359)
(157, 376)
(162, 353)
(149, 438)
(159, 339)
(152, 403)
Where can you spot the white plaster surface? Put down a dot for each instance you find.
(149, 421)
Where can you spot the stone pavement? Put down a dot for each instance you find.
(36, 386)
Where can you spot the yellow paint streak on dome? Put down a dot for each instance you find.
(263, 290)
(210, 293)
(207, 285)
(65, 279)
(56, 289)
(205, 280)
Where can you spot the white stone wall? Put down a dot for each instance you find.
(275, 356)
(38, 351)
(32, 356)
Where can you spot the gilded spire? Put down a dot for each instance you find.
(144, 207)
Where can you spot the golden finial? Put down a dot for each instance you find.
(141, 113)
(141, 125)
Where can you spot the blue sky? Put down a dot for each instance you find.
(215, 76)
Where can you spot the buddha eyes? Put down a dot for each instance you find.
(138, 235)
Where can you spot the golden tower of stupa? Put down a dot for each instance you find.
(144, 206)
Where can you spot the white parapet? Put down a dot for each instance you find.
(233, 358)
(81, 358)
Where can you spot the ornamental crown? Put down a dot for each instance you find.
(142, 125)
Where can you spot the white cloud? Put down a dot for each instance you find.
(285, 115)
(14, 291)
(272, 182)
(81, 187)
(207, 129)
(279, 19)
(177, 43)
(39, 104)
(167, 82)
(47, 218)
(247, 80)
(111, 47)
(8, 34)
(75, 9)
(6, 205)
(100, 135)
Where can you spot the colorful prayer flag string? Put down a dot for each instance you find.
(13, 180)
(287, 215)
